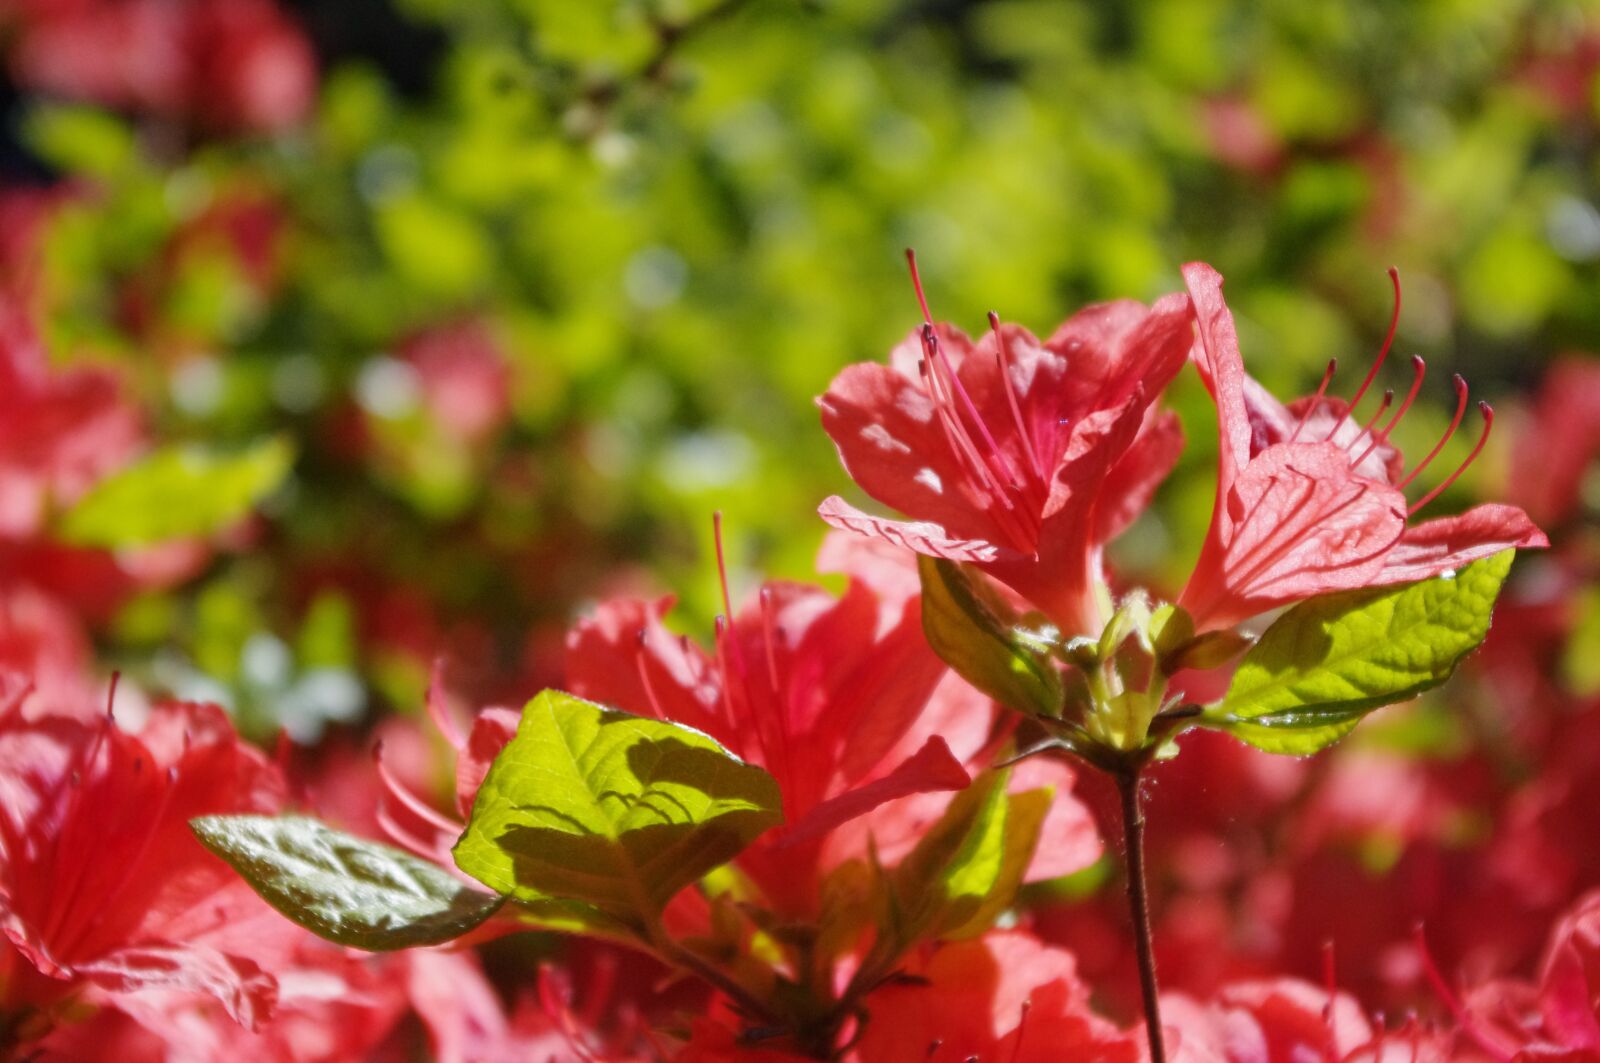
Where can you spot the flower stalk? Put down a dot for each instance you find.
(1139, 906)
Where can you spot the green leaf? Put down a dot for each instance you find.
(1331, 660)
(612, 811)
(975, 633)
(175, 493)
(1024, 819)
(346, 889)
(967, 868)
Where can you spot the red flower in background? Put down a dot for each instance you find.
(60, 432)
(227, 65)
(1285, 1020)
(1004, 996)
(1556, 1016)
(1311, 501)
(1561, 438)
(464, 379)
(1023, 458)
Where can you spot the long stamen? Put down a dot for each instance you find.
(916, 283)
(1316, 400)
(1022, 1031)
(439, 712)
(1488, 425)
(980, 475)
(79, 778)
(1420, 370)
(1492, 1045)
(644, 677)
(955, 387)
(1011, 397)
(767, 637)
(977, 472)
(721, 630)
(779, 701)
(935, 353)
(1331, 986)
(402, 793)
(1383, 352)
(1455, 422)
(1388, 400)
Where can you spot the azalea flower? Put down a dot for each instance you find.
(1023, 458)
(1309, 498)
(240, 66)
(840, 698)
(1286, 1020)
(104, 892)
(1559, 441)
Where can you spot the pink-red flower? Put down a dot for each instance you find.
(1310, 499)
(103, 889)
(1003, 997)
(233, 66)
(1021, 457)
(840, 698)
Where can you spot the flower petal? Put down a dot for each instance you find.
(246, 992)
(1297, 522)
(1450, 542)
(917, 536)
(931, 769)
(890, 439)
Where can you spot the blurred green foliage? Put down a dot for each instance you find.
(679, 219)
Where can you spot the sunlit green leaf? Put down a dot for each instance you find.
(612, 811)
(174, 493)
(969, 865)
(976, 634)
(1329, 661)
(349, 890)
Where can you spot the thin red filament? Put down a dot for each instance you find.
(1492, 1045)
(640, 665)
(1419, 370)
(1388, 399)
(1455, 422)
(1011, 397)
(1316, 400)
(1488, 425)
(1383, 352)
(1022, 1031)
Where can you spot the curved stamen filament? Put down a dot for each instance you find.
(1388, 400)
(642, 668)
(1011, 397)
(1455, 422)
(768, 638)
(954, 386)
(1383, 352)
(916, 284)
(727, 601)
(410, 801)
(780, 704)
(1022, 1031)
(1316, 400)
(992, 466)
(1495, 1046)
(966, 453)
(1420, 370)
(1488, 425)
(980, 475)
